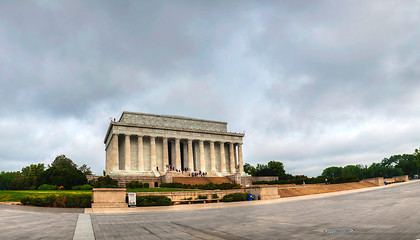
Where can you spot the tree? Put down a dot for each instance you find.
(248, 168)
(407, 163)
(273, 168)
(332, 172)
(417, 154)
(66, 177)
(62, 161)
(85, 169)
(6, 178)
(277, 168)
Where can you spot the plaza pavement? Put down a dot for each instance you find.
(389, 212)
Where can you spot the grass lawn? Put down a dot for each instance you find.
(158, 190)
(16, 195)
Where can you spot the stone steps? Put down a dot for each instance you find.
(200, 180)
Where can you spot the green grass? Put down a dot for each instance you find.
(16, 195)
(158, 190)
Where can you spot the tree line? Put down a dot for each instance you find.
(62, 172)
(396, 165)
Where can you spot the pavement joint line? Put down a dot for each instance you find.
(84, 230)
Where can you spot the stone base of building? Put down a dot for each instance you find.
(109, 205)
(155, 181)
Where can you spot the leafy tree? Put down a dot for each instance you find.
(31, 174)
(332, 172)
(417, 154)
(248, 168)
(273, 168)
(85, 169)
(277, 168)
(351, 170)
(66, 177)
(62, 161)
(6, 178)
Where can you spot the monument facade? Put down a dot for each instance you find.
(142, 144)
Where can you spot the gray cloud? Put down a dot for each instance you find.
(313, 83)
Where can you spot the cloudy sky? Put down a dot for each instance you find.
(312, 83)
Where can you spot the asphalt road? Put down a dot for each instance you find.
(381, 213)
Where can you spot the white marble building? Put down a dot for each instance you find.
(142, 144)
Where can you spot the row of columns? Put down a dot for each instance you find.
(232, 155)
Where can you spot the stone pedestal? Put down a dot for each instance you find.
(264, 192)
(108, 198)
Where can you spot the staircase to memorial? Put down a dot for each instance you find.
(200, 180)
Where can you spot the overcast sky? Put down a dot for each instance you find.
(312, 83)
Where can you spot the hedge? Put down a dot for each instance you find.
(309, 181)
(134, 184)
(208, 186)
(65, 201)
(83, 187)
(47, 187)
(145, 201)
(235, 197)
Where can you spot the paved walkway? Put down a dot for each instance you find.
(390, 212)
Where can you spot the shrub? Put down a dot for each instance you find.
(144, 201)
(83, 187)
(214, 196)
(69, 201)
(104, 182)
(47, 187)
(202, 197)
(235, 197)
(146, 185)
(134, 184)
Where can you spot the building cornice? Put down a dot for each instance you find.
(112, 123)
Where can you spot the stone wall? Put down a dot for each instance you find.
(176, 196)
(380, 181)
(247, 181)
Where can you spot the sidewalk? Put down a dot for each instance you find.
(188, 207)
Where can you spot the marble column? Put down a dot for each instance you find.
(127, 153)
(115, 154)
(232, 158)
(202, 162)
(190, 156)
(240, 158)
(212, 157)
(177, 154)
(222, 158)
(185, 156)
(236, 156)
(165, 154)
(153, 154)
(140, 153)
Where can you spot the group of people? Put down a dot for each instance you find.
(192, 174)
(196, 174)
(178, 170)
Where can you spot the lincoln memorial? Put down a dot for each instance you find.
(142, 144)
